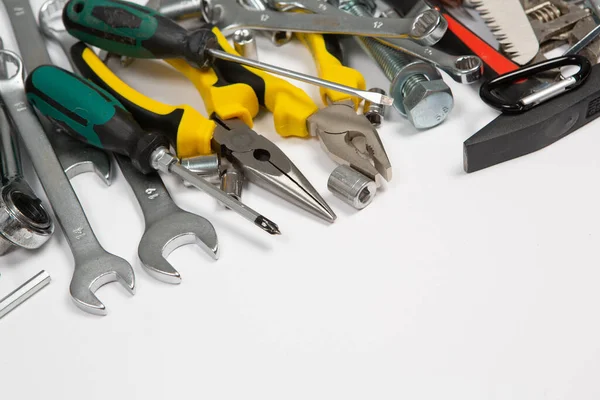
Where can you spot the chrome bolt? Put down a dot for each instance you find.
(419, 92)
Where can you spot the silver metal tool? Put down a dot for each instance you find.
(585, 40)
(375, 113)
(24, 221)
(76, 158)
(351, 187)
(420, 94)
(463, 69)
(184, 9)
(245, 44)
(208, 167)
(232, 181)
(229, 15)
(509, 24)
(94, 266)
(352, 141)
(264, 164)
(24, 292)
(552, 20)
(168, 227)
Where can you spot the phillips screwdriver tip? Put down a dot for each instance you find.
(267, 225)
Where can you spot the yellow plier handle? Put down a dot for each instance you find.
(328, 58)
(290, 105)
(190, 132)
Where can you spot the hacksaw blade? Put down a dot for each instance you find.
(509, 24)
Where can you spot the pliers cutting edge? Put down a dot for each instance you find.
(227, 132)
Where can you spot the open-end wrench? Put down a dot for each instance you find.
(464, 69)
(75, 157)
(167, 226)
(94, 266)
(24, 221)
(230, 16)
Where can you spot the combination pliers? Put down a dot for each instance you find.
(227, 132)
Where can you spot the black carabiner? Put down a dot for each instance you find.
(555, 89)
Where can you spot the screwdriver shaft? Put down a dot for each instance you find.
(376, 98)
(233, 204)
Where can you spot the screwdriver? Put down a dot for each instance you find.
(132, 30)
(94, 116)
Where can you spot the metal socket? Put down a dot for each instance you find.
(352, 187)
(208, 167)
(375, 113)
(245, 44)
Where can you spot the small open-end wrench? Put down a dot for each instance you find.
(75, 157)
(94, 266)
(167, 226)
(229, 15)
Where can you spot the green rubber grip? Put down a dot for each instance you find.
(90, 114)
(132, 30)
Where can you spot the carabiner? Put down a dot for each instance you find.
(540, 96)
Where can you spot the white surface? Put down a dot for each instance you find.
(449, 286)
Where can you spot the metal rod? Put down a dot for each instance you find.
(372, 97)
(23, 292)
(584, 42)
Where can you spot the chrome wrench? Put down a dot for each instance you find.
(94, 266)
(427, 27)
(464, 69)
(75, 157)
(167, 226)
(24, 221)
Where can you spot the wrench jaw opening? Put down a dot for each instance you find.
(94, 272)
(166, 235)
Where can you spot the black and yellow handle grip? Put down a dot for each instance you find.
(290, 105)
(188, 130)
(327, 54)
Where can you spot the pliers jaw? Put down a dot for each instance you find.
(264, 164)
(350, 139)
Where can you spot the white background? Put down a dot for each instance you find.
(448, 286)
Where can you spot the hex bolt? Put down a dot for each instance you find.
(417, 87)
(352, 187)
(375, 113)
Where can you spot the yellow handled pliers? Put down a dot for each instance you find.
(228, 131)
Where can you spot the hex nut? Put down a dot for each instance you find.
(428, 103)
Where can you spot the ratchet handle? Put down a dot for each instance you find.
(327, 53)
(91, 114)
(290, 105)
(131, 30)
(188, 131)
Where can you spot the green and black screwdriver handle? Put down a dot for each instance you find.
(92, 115)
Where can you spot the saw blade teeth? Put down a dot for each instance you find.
(509, 24)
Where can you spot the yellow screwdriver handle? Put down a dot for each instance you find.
(188, 130)
(330, 67)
